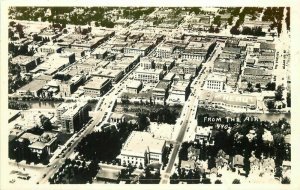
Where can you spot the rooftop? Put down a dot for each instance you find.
(140, 142)
(96, 82)
(216, 77)
(235, 99)
(134, 84)
(23, 59)
(148, 71)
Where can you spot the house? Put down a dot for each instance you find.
(193, 153)
(203, 134)
(222, 162)
(188, 164)
(116, 118)
(268, 165)
(286, 165)
(254, 163)
(237, 161)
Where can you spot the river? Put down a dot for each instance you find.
(35, 104)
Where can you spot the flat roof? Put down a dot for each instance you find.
(34, 85)
(37, 145)
(96, 82)
(31, 137)
(169, 76)
(23, 59)
(216, 77)
(148, 71)
(139, 142)
(235, 99)
(134, 84)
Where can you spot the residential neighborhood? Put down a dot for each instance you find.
(149, 95)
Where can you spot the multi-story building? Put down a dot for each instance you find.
(62, 108)
(67, 88)
(26, 63)
(134, 87)
(113, 74)
(49, 49)
(139, 49)
(149, 75)
(73, 119)
(141, 149)
(233, 101)
(160, 92)
(147, 63)
(97, 86)
(257, 75)
(215, 82)
(179, 92)
(165, 64)
(165, 50)
(47, 143)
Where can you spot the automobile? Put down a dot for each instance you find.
(54, 166)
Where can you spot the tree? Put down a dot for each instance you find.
(211, 162)
(278, 172)
(174, 179)
(285, 180)
(288, 99)
(143, 121)
(278, 93)
(46, 123)
(206, 181)
(271, 86)
(230, 19)
(218, 181)
(234, 30)
(236, 181)
(271, 104)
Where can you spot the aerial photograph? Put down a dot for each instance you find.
(148, 95)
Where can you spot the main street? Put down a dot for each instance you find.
(188, 112)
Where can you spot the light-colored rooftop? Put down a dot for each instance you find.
(216, 77)
(134, 84)
(139, 142)
(149, 71)
(96, 83)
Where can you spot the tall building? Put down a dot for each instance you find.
(73, 119)
(215, 82)
(149, 75)
(141, 149)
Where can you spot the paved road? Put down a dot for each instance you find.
(188, 115)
